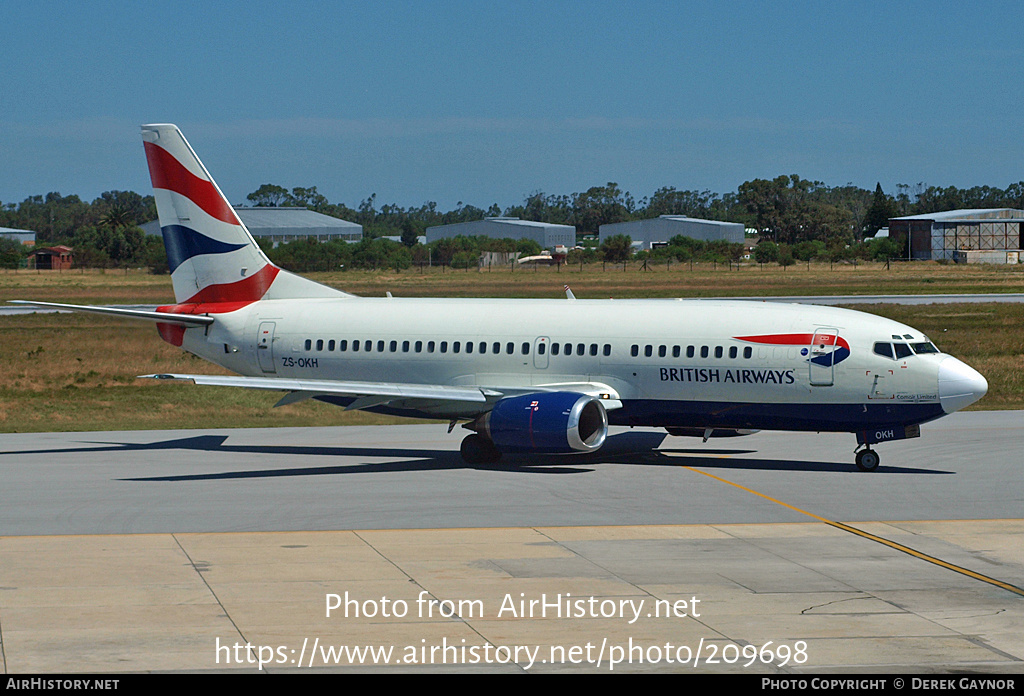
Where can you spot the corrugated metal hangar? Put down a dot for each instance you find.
(661, 229)
(546, 234)
(288, 224)
(935, 236)
(25, 237)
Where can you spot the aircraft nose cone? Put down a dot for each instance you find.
(960, 385)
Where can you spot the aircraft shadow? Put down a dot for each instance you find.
(631, 448)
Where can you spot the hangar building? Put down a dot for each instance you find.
(24, 237)
(660, 230)
(287, 224)
(935, 236)
(546, 234)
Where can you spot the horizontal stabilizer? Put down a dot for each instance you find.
(162, 317)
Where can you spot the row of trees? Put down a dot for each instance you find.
(787, 211)
(304, 256)
(103, 233)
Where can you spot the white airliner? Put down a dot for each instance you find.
(531, 376)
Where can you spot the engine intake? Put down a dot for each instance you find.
(546, 423)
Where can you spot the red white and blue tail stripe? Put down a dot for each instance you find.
(213, 259)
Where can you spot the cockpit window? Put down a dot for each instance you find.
(902, 350)
(926, 347)
(884, 349)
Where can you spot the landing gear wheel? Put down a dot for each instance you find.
(478, 450)
(867, 460)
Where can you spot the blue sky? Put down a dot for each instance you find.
(488, 102)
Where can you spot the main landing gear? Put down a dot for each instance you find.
(867, 459)
(476, 449)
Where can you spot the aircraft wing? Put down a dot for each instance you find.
(162, 317)
(368, 394)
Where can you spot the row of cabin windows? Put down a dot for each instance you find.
(481, 347)
(691, 351)
(580, 349)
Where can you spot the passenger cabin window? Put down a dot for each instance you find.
(607, 349)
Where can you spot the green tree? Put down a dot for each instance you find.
(616, 248)
(10, 253)
(411, 231)
(766, 252)
(601, 205)
(268, 196)
(882, 208)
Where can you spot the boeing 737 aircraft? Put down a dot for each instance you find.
(531, 376)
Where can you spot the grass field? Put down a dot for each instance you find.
(77, 372)
(704, 280)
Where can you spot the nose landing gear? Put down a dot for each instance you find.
(867, 459)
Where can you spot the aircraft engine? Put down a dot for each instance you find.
(546, 423)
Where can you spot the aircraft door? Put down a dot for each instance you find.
(822, 350)
(540, 352)
(265, 346)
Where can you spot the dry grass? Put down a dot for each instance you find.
(704, 280)
(78, 372)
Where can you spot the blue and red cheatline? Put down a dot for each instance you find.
(840, 353)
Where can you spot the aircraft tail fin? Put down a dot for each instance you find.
(212, 256)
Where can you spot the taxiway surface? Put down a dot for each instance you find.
(965, 466)
(152, 551)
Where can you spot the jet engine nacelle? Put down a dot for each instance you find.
(546, 423)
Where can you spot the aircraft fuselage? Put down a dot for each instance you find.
(671, 363)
